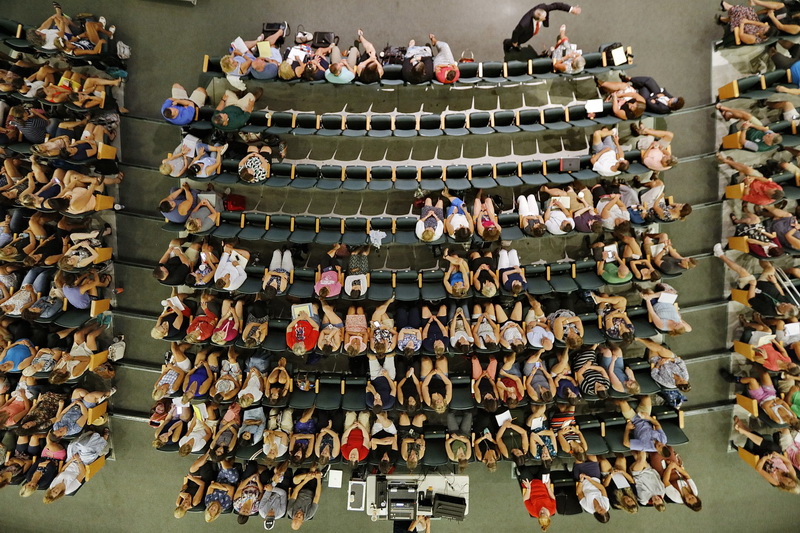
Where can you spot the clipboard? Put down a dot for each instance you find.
(609, 253)
(667, 298)
(264, 49)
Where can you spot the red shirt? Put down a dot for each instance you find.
(772, 357)
(355, 441)
(757, 192)
(303, 332)
(539, 498)
(442, 73)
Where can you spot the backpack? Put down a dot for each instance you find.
(123, 50)
(393, 55)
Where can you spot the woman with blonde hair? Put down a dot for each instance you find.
(229, 380)
(253, 389)
(619, 484)
(229, 324)
(430, 226)
(248, 491)
(200, 475)
(383, 334)
(219, 496)
(202, 218)
(484, 275)
(437, 389)
(457, 277)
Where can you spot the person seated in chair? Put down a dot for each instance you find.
(530, 218)
(567, 58)
(665, 316)
(418, 64)
(457, 278)
(643, 432)
(304, 498)
(445, 66)
(656, 147)
(650, 489)
(459, 225)
(181, 108)
(230, 273)
(753, 135)
(658, 99)
(608, 159)
(382, 388)
(626, 102)
(233, 111)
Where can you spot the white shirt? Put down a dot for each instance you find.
(458, 220)
(437, 231)
(674, 494)
(538, 333)
(604, 163)
(70, 478)
(554, 221)
(592, 493)
(226, 266)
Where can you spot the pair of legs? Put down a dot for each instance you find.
(380, 314)
(478, 370)
(507, 259)
(459, 422)
(245, 103)
(645, 407)
(89, 334)
(441, 312)
(376, 368)
(528, 206)
(329, 316)
(427, 366)
(281, 260)
(408, 317)
(616, 302)
(483, 206)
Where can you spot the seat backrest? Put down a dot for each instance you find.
(431, 122)
(517, 68)
(492, 69)
(255, 219)
(380, 122)
(381, 173)
(330, 223)
(530, 116)
(355, 223)
(356, 122)
(773, 77)
(455, 120)
(405, 172)
(749, 83)
(283, 221)
(405, 122)
(480, 119)
(356, 172)
(577, 112)
(508, 168)
(283, 170)
(457, 171)
(431, 172)
(282, 119)
(393, 72)
(553, 114)
(503, 118)
(332, 122)
(305, 222)
(468, 70)
(307, 120)
(532, 167)
(331, 171)
(306, 170)
(593, 59)
(483, 170)
(542, 65)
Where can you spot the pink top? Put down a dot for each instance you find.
(329, 279)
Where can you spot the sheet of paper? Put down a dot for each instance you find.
(791, 329)
(238, 44)
(618, 55)
(656, 249)
(502, 417)
(264, 49)
(563, 200)
(608, 253)
(335, 478)
(667, 298)
(594, 106)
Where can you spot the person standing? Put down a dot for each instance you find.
(533, 21)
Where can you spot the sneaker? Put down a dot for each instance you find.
(718, 251)
(728, 376)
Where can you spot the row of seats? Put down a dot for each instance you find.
(486, 73)
(429, 177)
(757, 86)
(534, 119)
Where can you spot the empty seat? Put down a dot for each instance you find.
(380, 178)
(379, 126)
(281, 122)
(330, 231)
(356, 178)
(492, 72)
(594, 63)
(431, 178)
(456, 177)
(468, 73)
(555, 118)
(305, 229)
(380, 285)
(405, 228)
(561, 277)
(455, 124)
(482, 176)
(280, 174)
(507, 174)
(530, 120)
(305, 176)
(306, 124)
(279, 228)
(509, 226)
(578, 117)
(331, 125)
(504, 122)
(606, 117)
(531, 173)
(542, 67)
(406, 178)
(480, 123)
(392, 75)
(406, 287)
(518, 71)
(384, 224)
(302, 284)
(433, 286)
(356, 126)
(405, 126)
(331, 177)
(430, 125)
(254, 226)
(230, 224)
(356, 231)
(554, 174)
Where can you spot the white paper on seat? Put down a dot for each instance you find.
(618, 56)
(594, 105)
(667, 298)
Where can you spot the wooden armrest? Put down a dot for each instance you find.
(748, 457)
(731, 141)
(97, 359)
(96, 412)
(748, 404)
(103, 254)
(739, 244)
(99, 306)
(103, 202)
(205, 63)
(93, 468)
(106, 151)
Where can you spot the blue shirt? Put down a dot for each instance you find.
(345, 76)
(185, 113)
(644, 434)
(794, 70)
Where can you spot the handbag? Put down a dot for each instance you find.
(302, 36)
(323, 39)
(467, 57)
(234, 202)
